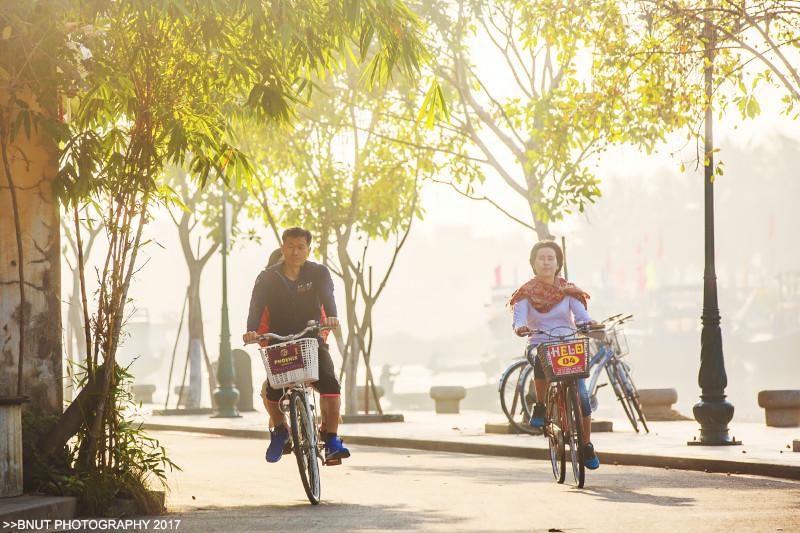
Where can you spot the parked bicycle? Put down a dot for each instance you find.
(611, 348)
(292, 365)
(517, 395)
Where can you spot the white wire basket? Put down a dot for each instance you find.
(619, 342)
(291, 362)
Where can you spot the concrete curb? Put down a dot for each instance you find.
(502, 450)
(35, 507)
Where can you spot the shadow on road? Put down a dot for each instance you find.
(304, 517)
(618, 494)
(611, 483)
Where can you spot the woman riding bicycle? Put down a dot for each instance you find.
(549, 303)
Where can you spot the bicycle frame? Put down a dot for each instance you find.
(307, 391)
(597, 363)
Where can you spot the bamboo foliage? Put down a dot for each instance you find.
(143, 84)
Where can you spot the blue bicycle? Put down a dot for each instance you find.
(611, 347)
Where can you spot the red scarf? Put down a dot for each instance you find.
(544, 297)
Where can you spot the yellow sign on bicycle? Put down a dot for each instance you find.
(565, 359)
(568, 360)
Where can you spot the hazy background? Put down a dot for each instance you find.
(638, 250)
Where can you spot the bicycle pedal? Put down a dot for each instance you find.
(333, 462)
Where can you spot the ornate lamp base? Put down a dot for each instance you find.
(713, 415)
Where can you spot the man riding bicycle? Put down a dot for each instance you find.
(286, 296)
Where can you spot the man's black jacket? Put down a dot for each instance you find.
(282, 306)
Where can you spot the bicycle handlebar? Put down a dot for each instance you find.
(581, 328)
(313, 326)
(616, 320)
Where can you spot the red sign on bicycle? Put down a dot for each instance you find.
(565, 359)
(285, 358)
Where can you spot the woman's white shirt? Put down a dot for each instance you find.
(563, 315)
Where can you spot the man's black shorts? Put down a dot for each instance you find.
(328, 383)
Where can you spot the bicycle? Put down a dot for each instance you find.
(565, 361)
(612, 347)
(292, 365)
(517, 395)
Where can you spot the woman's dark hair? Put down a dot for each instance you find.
(275, 257)
(553, 246)
(294, 233)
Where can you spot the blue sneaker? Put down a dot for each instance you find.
(537, 417)
(590, 459)
(335, 450)
(278, 438)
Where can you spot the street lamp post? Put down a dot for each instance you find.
(226, 396)
(713, 412)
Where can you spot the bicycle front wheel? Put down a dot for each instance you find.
(632, 395)
(304, 436)
(555, 435)
(517, 395)
(575, 437)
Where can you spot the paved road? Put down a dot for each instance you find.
(226, 486)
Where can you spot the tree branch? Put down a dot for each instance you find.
(486, 199)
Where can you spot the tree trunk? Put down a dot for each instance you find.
(72, 419)
(76, 347)
(532, 185)
(353, 341)
(33, 164)
(195, 346)
(542, 230)
(351, 373)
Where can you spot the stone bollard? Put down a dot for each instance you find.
(657, 403)
(448, 398)
(143, 393)
(11, 446)
(360, 398)
(781, 407)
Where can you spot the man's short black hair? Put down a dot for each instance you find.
(294, 233)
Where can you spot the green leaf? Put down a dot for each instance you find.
(753, 109)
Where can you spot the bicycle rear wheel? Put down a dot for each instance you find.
(632, 395)
(575, 437)
(517, 395)
(304, 436)
(617, 383)
(555, 435)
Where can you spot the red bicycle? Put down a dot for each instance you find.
(565, 360)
